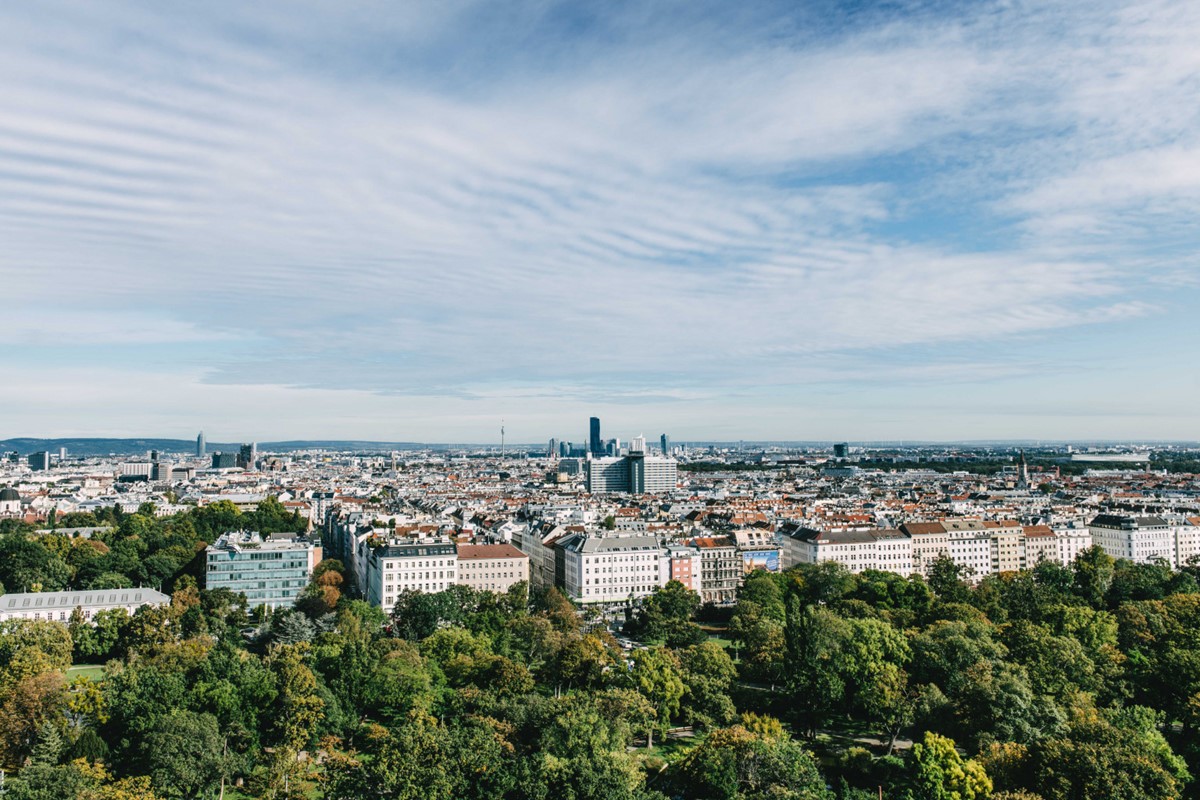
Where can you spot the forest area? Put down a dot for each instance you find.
(1051, 683)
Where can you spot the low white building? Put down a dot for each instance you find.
(58, 606)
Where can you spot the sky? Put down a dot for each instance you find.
(423, 221)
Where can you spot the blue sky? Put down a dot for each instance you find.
(405, 221)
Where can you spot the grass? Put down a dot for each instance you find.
(94, 672)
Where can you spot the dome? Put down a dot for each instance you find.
(8, 493)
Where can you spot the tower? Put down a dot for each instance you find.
(595, 446)
(200, 445)
(1023, 475)
(665, 442)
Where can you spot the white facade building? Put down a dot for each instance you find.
(611, 568)
(857, 550)
(425, 566)
(1145, 539)
(58, 606)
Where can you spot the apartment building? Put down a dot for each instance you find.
(611, 567)
(421, 565)
(1146, 538)
(856, 549)
(1041, 544)
(930, 540)
(1007, 545)
(721, 568)
(684, 566)
(491, 567)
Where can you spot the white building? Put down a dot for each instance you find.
(857, 550)
(1072, 540)
(970, 546)
(425, 566)
(611, 567)
(10, 502)
(58, 606)
(491, 567)
(1144, 539)
(635, 473)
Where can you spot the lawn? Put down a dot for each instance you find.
(93, 671)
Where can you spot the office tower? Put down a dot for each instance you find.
(595, 446)
(62, 454)
(200, 445)
(224, 460)
(564, 449)
(248, 455)
(665, 442)
(39, 461)
(552, 450)
(841, 450)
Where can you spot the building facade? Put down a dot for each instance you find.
(423, 566)
(611, 567)
(58, 606)
(491, 567)
(720, 568)
(270, 572)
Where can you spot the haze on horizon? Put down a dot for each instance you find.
(408, 222)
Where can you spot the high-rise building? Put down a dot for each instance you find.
(665, 442)
(841, 450)
(552, 449)
(595, 445)
(636, 473)
(39, 461)
(200, 445)
(224, 460)
(62, 454)
(248, 455)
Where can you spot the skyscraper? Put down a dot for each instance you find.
(595, 446)
(200, 445)
(665, 441)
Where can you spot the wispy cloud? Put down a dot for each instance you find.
(656, 207)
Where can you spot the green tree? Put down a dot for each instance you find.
(1094, 570)
(735, 764)
(938, 772)
(297, 707)
(816, 683)
(26, 565)
(708, 674)
(183, 754)
(656, 675)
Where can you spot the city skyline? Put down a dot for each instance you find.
(410, 223)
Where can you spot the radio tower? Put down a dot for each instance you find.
(501, 438)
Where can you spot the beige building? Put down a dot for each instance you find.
(1007, 545)
(491, 567)
(1040, 545)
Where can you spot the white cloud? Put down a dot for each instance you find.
(668, 215)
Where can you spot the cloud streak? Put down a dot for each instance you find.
(693, 207)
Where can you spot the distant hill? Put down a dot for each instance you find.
(126, 447)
